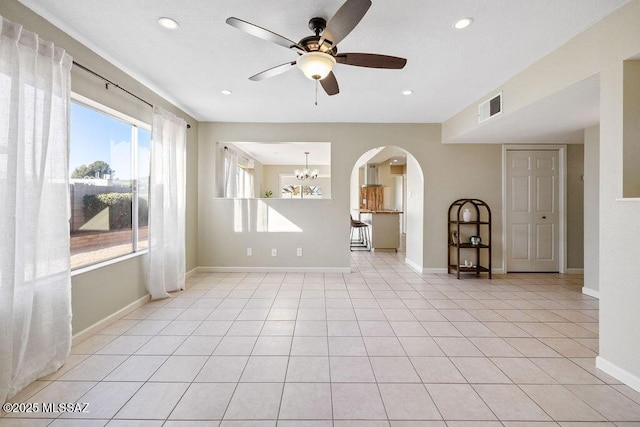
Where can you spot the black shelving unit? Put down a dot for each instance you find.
(480, 225)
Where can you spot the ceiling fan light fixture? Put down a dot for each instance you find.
(316, 65)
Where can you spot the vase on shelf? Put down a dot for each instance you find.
(466, 215)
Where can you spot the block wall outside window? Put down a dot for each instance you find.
(109, 184)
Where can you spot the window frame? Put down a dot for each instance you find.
(135, 124)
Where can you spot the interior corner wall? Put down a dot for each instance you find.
(631, 136)
(591, 209)
(575, 206)
(415, 212)
(619, 236)
(104, 291)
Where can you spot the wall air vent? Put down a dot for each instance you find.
(490, 108)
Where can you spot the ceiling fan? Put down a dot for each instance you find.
(319, 53)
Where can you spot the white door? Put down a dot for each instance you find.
(532, 211)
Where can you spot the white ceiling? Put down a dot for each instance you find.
(447, 69)
(287, 153)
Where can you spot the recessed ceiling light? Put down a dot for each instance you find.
(462, 23)
(226, 92)
(407, 92)
(168, 23)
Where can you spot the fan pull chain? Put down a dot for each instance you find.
(316, 92)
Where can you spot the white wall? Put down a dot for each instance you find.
(416, 211)
(575, 207)
(619, 237)
(591, 210)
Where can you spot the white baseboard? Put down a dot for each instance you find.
(574, 271)
(191, 272)
(112, 318)
(591, 292)
(274, 269)
(412, 265)
(618, 373)
(446, 271)
(435, 270)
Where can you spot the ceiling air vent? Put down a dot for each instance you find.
(490, 108)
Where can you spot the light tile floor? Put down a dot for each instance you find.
(382, 346)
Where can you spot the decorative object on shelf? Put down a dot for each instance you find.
(469, 229)
(305, 173)
(268, 194)
(454, 237)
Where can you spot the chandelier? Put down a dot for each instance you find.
(306, 173)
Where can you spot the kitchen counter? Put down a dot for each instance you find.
(362, 211)
(384, 227)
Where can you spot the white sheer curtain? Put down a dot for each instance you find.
(35, 282)
(230, 173)
(167, 204)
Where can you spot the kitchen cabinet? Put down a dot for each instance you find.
(372, 197)
(384, 228)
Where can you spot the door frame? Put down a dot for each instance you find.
(562, 198)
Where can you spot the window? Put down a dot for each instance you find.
(301, 192)
(109, 160)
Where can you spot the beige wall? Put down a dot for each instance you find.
(631, 151)
(575, 206)
(450, 172)
(591, 209)
(100, 293)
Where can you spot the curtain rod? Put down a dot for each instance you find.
(227, 149)
(109, 82)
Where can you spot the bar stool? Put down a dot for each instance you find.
(363, 241)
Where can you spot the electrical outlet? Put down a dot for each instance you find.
(274, 252)
(299, 252)
(249, 252)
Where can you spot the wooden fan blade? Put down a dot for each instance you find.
(330, 84)
(371, 60)
(263, 33)
(345, 20)
(278, 69)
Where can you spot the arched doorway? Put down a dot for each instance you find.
(395, 177)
